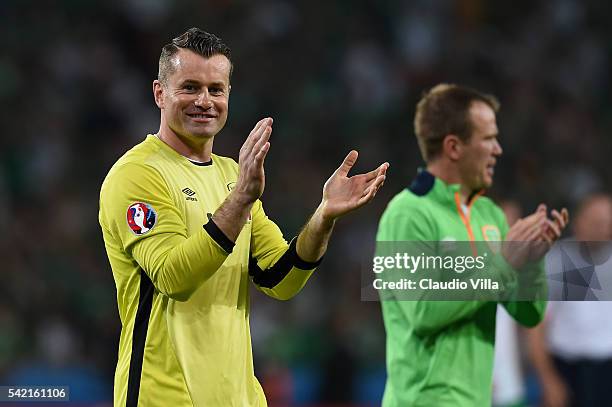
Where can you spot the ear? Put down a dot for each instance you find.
(452, 147)
(158, 93)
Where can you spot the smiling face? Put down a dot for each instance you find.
(480, 152)
(194, 97)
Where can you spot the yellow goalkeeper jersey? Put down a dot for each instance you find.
(182, 285)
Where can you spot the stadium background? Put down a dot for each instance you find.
(75, 86)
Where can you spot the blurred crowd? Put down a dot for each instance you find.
(75, 88)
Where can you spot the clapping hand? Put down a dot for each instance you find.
(531, 237)
(343, 194)
(251, 179)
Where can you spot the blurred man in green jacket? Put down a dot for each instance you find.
(440, 353)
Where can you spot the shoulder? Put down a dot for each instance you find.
(143, 152)
(407, 217)
(405, 203)
(136, 157)
(134, 171)
(130, 172)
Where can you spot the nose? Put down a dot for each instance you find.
(497, 150)
(203, 100)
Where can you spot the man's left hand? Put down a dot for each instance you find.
(342, 194)
(550, 233)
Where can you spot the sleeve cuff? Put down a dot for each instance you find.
(218, 236)
(272, 276)
(297, 260)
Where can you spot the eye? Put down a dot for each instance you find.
(216, 91)
(189, 88)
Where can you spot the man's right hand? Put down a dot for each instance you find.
(531, 237)
(231, 216)
(251, 178)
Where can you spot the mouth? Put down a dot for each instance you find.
(202, 117)
(490, 169)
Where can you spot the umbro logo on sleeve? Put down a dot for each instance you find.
(190, 194)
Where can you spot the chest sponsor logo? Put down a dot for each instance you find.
(190, 194)
(491, 234)
(141, 217)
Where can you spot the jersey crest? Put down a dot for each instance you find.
(491, 235)
(141, 217)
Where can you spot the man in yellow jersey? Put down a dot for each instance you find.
(185, 230)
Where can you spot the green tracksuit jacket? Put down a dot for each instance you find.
(440, 353)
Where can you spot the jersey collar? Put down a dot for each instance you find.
(152, 138)
(425, 183)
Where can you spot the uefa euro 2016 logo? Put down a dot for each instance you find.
(141, 218)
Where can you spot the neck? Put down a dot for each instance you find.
(189, 147)
(449, 173)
